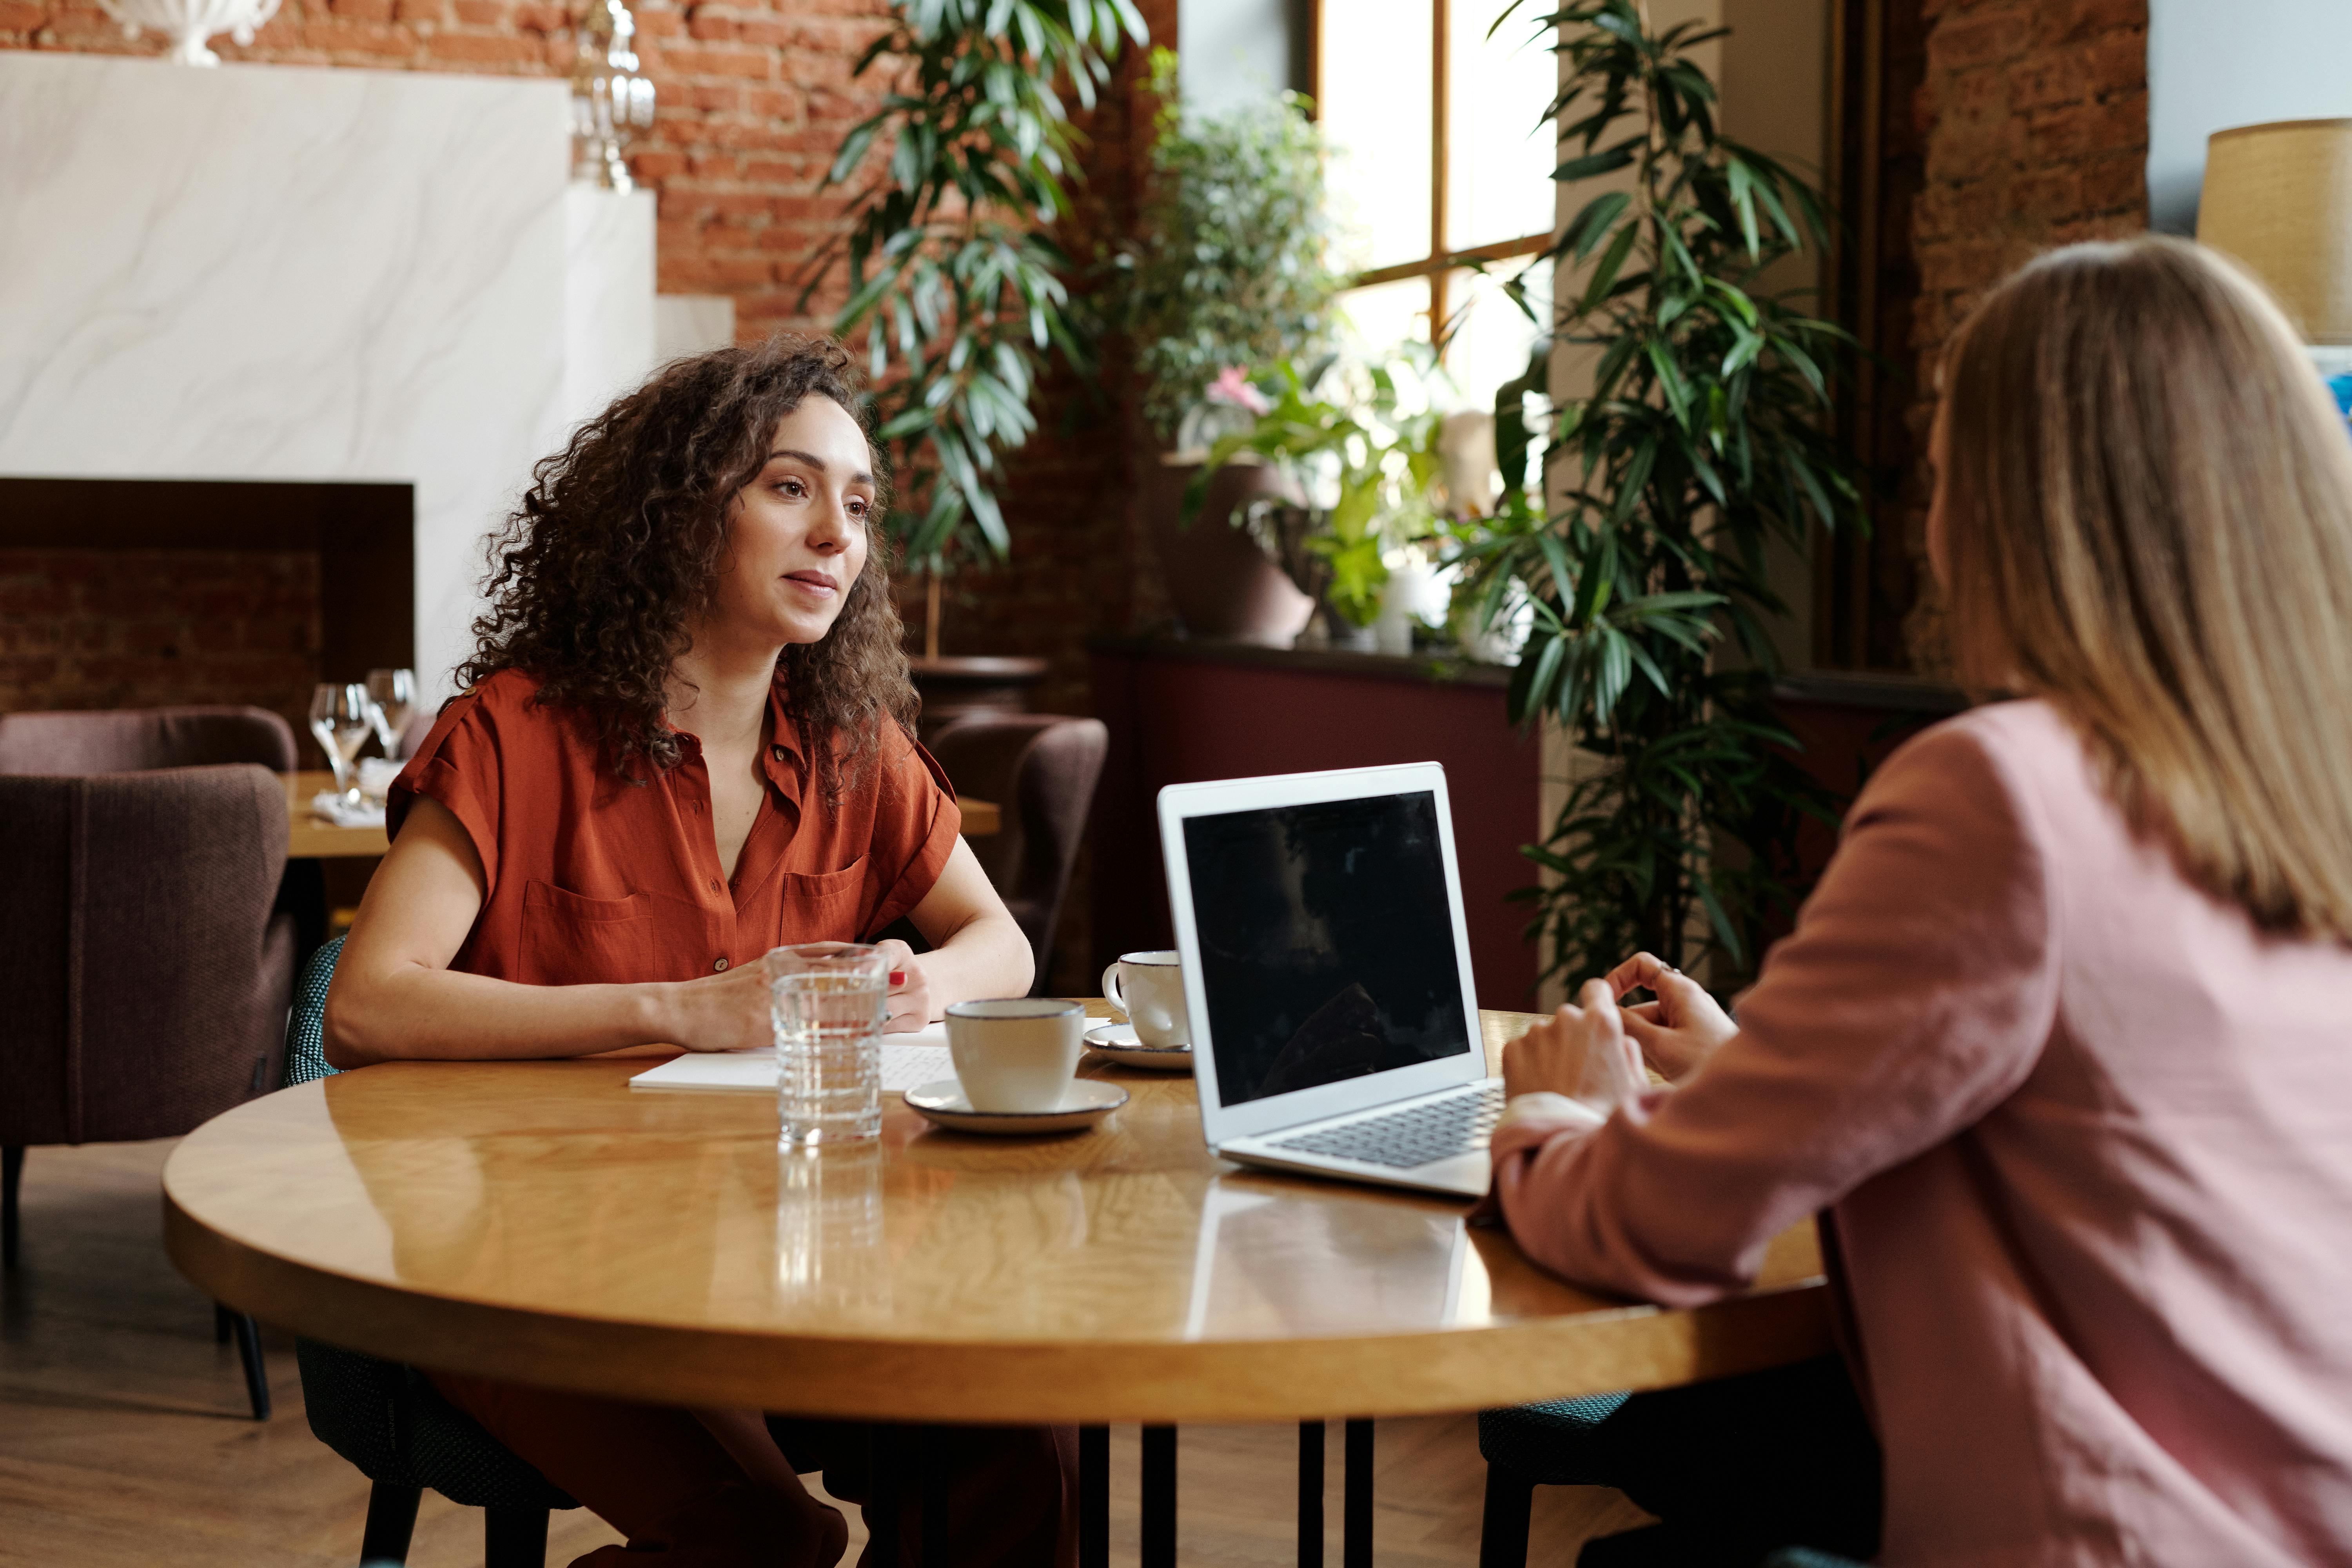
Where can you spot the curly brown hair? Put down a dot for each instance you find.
(617, 544)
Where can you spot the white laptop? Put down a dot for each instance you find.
(1327, 975)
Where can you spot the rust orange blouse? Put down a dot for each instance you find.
(594, 880)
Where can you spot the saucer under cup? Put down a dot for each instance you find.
(1116, 1042)
(1087, 1102)
(1148, 988)
(1018, 1054)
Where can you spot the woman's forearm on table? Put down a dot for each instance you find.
(988, 957)
(413, 1012)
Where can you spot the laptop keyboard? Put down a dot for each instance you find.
(1417, 1134)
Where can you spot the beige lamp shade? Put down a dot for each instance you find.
(2279, 198)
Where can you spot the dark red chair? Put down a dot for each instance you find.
(147, 967)
(1041, 770)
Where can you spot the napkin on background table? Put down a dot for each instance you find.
(343, 814)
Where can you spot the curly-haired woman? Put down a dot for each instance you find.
(682, 741)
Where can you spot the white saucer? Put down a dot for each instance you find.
(1118, 1042)
(1087, 1102)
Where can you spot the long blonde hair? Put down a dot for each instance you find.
(2148, 520)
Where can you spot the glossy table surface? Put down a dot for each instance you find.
(544, 1222)
(310, 836)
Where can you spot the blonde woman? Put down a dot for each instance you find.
(2062, 1044)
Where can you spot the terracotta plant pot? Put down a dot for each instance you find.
(1222, 585)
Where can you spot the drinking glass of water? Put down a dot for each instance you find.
(342, 718)
(827, 1000)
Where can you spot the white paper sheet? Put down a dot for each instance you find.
(909, 1061)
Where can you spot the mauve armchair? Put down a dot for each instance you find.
(1041, 770)
(147, 968)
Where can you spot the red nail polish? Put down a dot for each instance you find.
(897, 977)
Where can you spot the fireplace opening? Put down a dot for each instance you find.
(146, 593)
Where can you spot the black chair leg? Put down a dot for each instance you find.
(256, 1373)
(514, 1538)
(1502, 1531)
(11, 1177)
(392, 1518)
(1356, 1498)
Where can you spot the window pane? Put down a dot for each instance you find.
(1377, 77)
(1499, 154)
(1386, 314)
(1493, 337)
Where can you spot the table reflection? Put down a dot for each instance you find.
(1277, 1256)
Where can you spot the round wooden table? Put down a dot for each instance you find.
(543, 1222)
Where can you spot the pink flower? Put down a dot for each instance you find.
(1232, 389)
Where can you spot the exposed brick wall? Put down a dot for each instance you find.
(2035, 119)
(137, 628)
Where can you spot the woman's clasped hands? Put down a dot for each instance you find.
(1594, 1050)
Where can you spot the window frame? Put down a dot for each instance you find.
(1442, 262)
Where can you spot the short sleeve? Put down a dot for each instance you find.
(916, 824)
(459, 766)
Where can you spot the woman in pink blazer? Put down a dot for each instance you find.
(2061, 1047)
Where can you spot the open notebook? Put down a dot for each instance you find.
(909, 1061)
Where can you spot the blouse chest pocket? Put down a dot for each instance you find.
(823, 906)
(568, 939)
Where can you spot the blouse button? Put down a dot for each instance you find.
(719, 964)
(714, 888)
(777, 753)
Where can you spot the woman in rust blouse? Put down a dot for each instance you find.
(682, 740)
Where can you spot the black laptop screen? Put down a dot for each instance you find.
(1327, 945)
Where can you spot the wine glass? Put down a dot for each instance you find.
(394, 691)
(342, 717)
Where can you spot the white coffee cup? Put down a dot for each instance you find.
(1018, 1053)
(1149, 987)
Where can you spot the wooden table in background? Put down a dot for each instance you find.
(542, 1222)
(310, 837)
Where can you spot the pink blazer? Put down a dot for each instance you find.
(2087, 1136)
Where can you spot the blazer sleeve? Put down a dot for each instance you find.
(1916, 994)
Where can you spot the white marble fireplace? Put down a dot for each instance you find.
(266, 272)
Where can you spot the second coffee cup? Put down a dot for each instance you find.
(1017, 1053)
(1149, 987)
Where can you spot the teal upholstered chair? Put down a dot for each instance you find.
(386, 1418)
(1554, 1444)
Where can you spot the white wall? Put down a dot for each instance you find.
(1232, 52)
(2213, 65)
(276, 272)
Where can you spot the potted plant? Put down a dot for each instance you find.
(1356, 449)
(949, 265)
(1705, 433)
(1230, 269)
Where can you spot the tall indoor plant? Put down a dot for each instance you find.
(1705, 435)
(952, 273)
(1230, 269)
(1232, 263)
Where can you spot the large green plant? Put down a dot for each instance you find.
(951, 271)
(1232, 262)
(1703, 435)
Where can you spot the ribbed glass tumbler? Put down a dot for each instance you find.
(828, 1000)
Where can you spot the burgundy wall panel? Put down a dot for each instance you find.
(1177, 715)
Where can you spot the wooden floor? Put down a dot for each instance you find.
(124, 1436)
